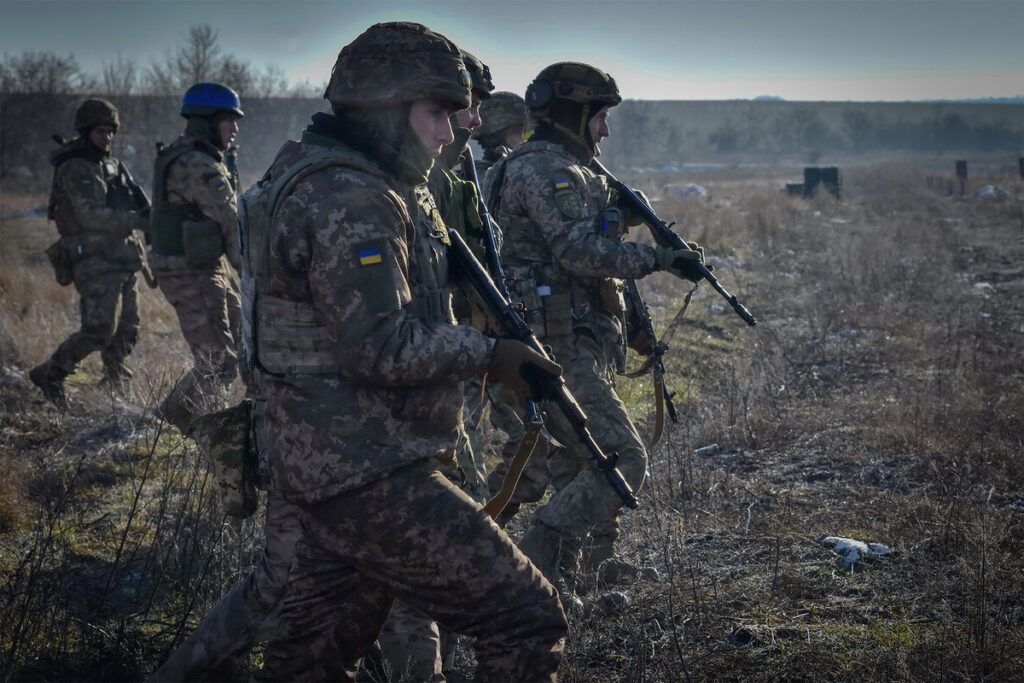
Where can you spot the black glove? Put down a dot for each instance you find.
(681, 262)
(523, 370)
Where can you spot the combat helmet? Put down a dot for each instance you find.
(92, 113)
(206, 99)
(565, 95)
(479, 76)
(397, 62)
(501, 113)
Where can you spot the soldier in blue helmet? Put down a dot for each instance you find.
(194, 238)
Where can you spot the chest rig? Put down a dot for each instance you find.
(554, 298)
(282, 336)
(166, 222)
(119, 195)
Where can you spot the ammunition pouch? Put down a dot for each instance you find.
(612, 294)
(62, 261)
(226, 438)
(202, 242)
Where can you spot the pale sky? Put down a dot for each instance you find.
(656, 49)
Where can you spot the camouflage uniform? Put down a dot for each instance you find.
(198, 186)
(96, 214)
(563, 251)
(501, 115)
(245, 615)
(360, 361)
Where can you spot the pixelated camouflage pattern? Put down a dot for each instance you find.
(201, 178)
(224, 438)
(95, 112)
(410, 643)
(415, 537)
(247, 614)
(567, 218)
(206, 299)
(104, 252)
(397, 62)
(208, 305)
(499, 113)
(397, 399)
(554, 206)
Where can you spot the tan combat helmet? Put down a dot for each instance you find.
(565, 95)
(396, 62)
(502, 112)
(92, 113)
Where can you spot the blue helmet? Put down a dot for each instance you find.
(206, 99)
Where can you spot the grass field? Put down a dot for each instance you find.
(880, 397)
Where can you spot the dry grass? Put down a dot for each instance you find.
(880, 397)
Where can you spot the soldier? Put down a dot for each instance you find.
(194, 236)
(410, 640)
(95, 206)
(563, 252)
(356, 356)
(503, 122)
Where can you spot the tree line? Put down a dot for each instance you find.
(197, 58)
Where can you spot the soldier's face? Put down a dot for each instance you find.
(469, 118)
(598, 125)
(513, 138)
(429, 120)
(228, 130)
(101, 136)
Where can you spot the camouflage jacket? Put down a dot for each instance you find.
(95, 213)
(563, 239)
(370, 255)
(201, 179)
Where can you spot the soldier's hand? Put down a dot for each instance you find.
(523, 370)
(681, 262)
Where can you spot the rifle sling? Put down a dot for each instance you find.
(515, 469)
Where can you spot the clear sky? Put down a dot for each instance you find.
(655, 49)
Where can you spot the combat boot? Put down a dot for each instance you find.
(51, 381)
(116, 378)
(557, 557)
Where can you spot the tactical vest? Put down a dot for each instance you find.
(553, 297)
(119, 194)
(286, 337)
(166, 229)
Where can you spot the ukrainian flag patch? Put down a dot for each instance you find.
(561, 183)
(369, 256)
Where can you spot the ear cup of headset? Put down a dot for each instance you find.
(539, 94)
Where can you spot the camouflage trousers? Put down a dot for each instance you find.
(209, 312)
(247, 614)
(109, 307)
(416, 537)
(584, 504)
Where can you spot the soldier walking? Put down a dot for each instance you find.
(357, 362)
(194, 237)
(564, 254)
(96, 208)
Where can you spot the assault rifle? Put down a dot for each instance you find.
(664, 236)
(506, 315)
(490, 244)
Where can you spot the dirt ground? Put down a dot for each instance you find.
(880, 398)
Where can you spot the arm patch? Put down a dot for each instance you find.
(373, 261)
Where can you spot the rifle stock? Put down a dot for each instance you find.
(508, 319)
(664, 236)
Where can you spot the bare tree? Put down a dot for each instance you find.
(119, 78)
(271, 82)
(43, 73)
(237, 75)
(193, 62)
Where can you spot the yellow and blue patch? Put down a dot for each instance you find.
(561, 183)
(369, 256)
